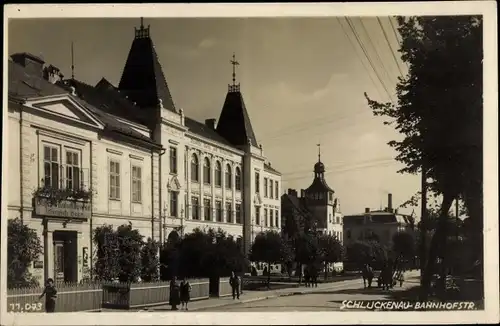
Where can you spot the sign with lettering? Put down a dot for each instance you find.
(65, 209)
(38, 264)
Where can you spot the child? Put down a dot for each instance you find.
(50, 293)
(185, 290)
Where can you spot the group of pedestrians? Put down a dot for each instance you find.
(386, 279)
(180, 294)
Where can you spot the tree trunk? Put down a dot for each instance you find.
(300, 273)
(326, 270)
(438, 241)
(268, 275)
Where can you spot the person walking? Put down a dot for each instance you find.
(185, 289)
(174, 299)
(234, 281)
(50, 293)
(307, 276)
(314, 276)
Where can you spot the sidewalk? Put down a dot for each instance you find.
(251, 296)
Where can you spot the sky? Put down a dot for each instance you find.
(302, 80)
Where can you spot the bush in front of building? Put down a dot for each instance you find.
(118, 255)
(330, 251)
(367, 252)
(150, 261)
(202, 253)
(23, 248)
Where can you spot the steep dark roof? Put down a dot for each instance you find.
(107, 99)
(269, 168)
(143, 79)
(319, 185)
(105, 84)
(203, 130)
(234, 122)
(24, 85)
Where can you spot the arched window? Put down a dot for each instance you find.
(218, 174)
(237, 178)
(229, 176)
(206, 171)
(194, 168)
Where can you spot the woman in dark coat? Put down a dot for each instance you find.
(185, 290)
(174, 299)
(50, 294)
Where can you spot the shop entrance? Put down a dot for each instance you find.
(65, 256)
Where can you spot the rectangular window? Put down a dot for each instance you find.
(238, 213)
(207, 207)
(237, 179)
(229, 213)
(114, 180)
(277, 218)
(73, 171)
(257, 215)
(136, 184)
(271, 189)
(276, 192)
(51, 167)
(218, 211)
(173, 203)
(265, 187)
(195, 208)
(173, 159)
(257, 182)
(265, 216)
(271, 218)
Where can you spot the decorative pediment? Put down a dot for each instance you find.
(257, 200)
(174, 184)
(66, 108)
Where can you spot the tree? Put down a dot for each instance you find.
(118, 253)
(439, 113)
(150, 261)
(403, 244)
(23, 247)
(330, 251)
(366, 252)
(268, 247)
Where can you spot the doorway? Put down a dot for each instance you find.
(65, 256)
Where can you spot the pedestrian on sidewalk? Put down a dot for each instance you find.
(307, 277)
(174, 299)
(314, 276)
(185, 289)
(235, 282)
(50, 293)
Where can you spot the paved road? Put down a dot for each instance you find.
(321, 300)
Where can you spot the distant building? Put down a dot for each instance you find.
(316, 204)
(377, 225)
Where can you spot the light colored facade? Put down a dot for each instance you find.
(56, 142)
(148, 164)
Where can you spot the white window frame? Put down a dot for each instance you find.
(113, 175)
(136, 181)
(72, 165)
(58, 162)
(173, 160)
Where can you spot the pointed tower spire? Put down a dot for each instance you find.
(142, 79)
(72, 62)
(234, 123)
(234, 87)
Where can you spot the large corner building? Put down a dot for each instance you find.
(144, 160)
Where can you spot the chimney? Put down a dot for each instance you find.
(33, 64)
(367, 210)
(52, 74)
(389, 203)
(210, 123)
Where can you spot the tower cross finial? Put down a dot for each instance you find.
(319, 152)
(234, 63)
(72, 62)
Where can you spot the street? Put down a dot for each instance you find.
(318, 300)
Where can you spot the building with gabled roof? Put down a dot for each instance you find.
(144, 158)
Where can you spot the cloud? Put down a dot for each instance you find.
(207, 43)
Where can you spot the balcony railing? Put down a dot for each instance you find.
(65, 193)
